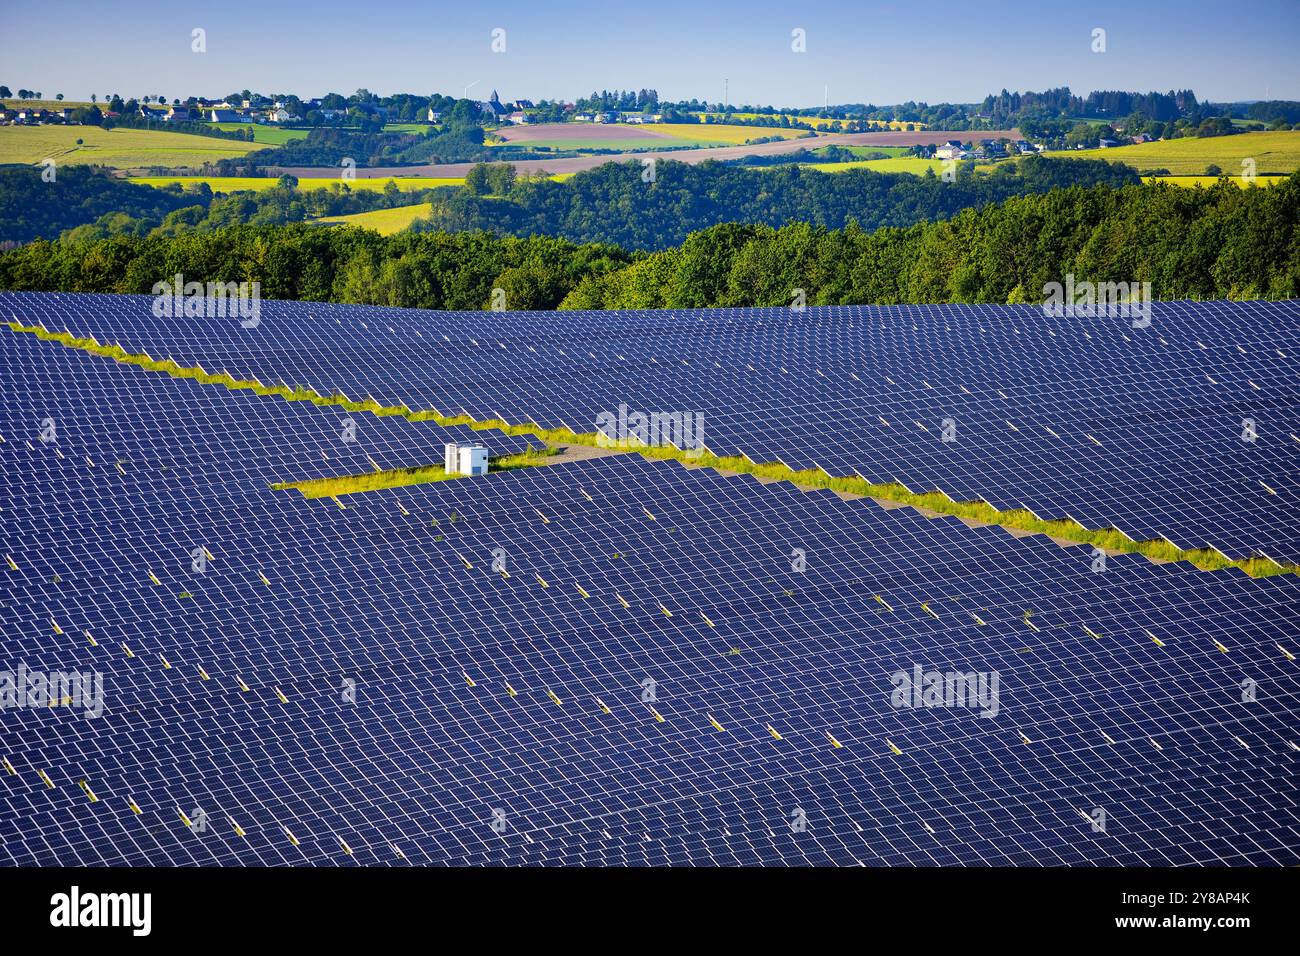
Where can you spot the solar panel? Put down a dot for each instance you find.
(605, 662)
(1184, 430)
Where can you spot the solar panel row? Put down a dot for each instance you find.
(1186, 429)
(606, 662)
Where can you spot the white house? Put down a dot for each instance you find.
(950, 150)
(434, 115)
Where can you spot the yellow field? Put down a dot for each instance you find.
(1273, 153)
(731, 134)
(384, 221)
(230, 184)
(1192, 182)
(895, 164)
(118, 148)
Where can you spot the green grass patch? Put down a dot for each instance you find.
(383, 221)
(402, 477)
(1018, 519)
(266, 135)
(121, 148)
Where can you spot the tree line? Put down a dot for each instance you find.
(641, 207)
(1222, 242)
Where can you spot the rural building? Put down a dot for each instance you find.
(493, 108)
(950, 150)
(179, 114)
(228, 116)
(1107, 143)
(465, 458)
(434, 116)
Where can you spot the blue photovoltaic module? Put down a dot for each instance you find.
(1186, 429)
(611, 661)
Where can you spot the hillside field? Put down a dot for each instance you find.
(383, 221)
(265, 135)
(895, 164)
(815, 121)
(710, 134)
(117, 148)
(1274, 152)
(1191, 182)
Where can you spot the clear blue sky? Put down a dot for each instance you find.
(865, 51)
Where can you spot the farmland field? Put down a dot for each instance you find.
(581, 134)
(723, 133)
(383, 221)
(118, 148)
(1277, 152)
(814, 121)
(16, 104)
(623, 136)
(895, 164)
(864, 151)
(1191, 182)
(621, 145)
(266, 135)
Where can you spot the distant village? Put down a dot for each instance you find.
(278, 112)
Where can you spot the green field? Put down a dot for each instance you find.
(118, 148)
(895, 164)
(13, 104)
(384, 221)
(890, 151)
(1272, 152)
(266, 135)
(721, 134)
(230, 184)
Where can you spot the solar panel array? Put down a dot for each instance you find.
(1187, 429)
(614, 661)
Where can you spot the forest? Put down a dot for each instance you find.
(1216, 243)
